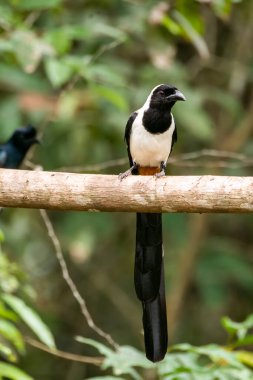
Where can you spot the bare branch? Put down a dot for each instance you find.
(95, 167)
(71, 284)
(211, 153)
(65, 355)
(178, 160)
(90, 192)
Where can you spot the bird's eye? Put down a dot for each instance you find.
(161, 93)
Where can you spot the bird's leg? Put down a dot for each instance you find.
(128, 172)
(162, 170)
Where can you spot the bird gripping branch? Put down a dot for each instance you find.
(150, 134)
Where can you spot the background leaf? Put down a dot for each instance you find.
(31, 318)
(10, 332)
(35, 4)
(13, 373)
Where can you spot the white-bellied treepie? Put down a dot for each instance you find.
(150, 134)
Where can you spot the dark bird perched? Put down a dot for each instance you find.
(150, 134)
(13, 152)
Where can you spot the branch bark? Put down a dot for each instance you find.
(89, 192)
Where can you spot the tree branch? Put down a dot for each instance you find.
(71, 284)
(89, 192)
(65, 355)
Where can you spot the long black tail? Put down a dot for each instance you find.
(149, 283)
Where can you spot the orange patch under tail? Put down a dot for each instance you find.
(147, 170)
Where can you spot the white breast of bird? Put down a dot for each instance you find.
(148, 149)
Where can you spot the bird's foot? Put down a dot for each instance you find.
(128, 172)
(160, 174)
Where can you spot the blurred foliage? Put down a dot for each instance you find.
(185, 361)
(13, 289)
(76, 70)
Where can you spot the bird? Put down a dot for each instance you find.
(150, 134)
(13, 152)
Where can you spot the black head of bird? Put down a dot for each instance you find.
(164, 96)
(23, 138)
(13, 152)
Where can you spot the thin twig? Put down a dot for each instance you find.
(211, 153)
(71, 284)
(95, 167)
(179, 160)
(31, 18)
(65, 355)
(105, 48)
(213, 164)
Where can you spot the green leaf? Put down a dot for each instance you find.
(179, 362)
(10, 332)
(106, 378)
(7, 313)
(191, 365)
(231, 326)
(30, 5)
(107, 30)
(5, 45)
(235, 328)
(8, 17)
(196, 39)
(214, 352)
(222, 8)
(102, 349)
(245, 357)
(128, 356)
(29, 49)
(248, 340)
(248, 323)
(171, 26)
(103, 74)
(61, 38)
(31, 318)
(7, 353)
(76, 32)
(16, 79)
(1, 236)
(239, 329)
(77, 64)
(121, 361)
(58, 71)
(112, 96)
(13, 373)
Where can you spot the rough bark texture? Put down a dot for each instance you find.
(89, 192)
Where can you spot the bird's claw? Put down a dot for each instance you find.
(122, 176)
(127, 173)
(160, 174)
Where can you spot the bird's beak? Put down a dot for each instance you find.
(178, 95)
(36, 141)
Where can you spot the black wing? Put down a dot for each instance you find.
(174, 136)
(3, 158)
(128, 130)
